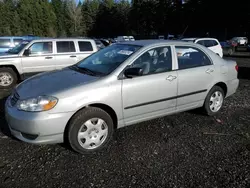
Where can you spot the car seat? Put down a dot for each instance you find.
(145, 63)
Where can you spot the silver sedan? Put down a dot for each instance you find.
(120, 85)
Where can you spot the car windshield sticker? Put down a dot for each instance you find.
(125, 52)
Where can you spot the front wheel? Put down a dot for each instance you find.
(8, 78)
(90, 130)
(214, 101)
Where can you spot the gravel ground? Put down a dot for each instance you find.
(182, 150)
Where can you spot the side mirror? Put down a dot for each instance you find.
(26, 52)
(133, 72)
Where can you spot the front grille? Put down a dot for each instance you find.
(15, 97)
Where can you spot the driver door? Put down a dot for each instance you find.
(154, 93)
(40, 59)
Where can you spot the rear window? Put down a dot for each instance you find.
(65, 46)
(4, 43)
(191, 57)
(85, 46)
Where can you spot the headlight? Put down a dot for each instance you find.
(38, 104)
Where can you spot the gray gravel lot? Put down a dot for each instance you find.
(182, 150)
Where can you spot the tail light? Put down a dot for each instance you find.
(236, 68)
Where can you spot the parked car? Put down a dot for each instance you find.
(122, 38)
(211, 43)
(42, 55)
(161, 37)
(228, 47)
(131, 38)
(120, 85)
(99, 44)
(240, 40)
(8, 42)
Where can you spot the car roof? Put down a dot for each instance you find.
(154, 42)
(11, 37)
(189, 38)
(63, 39)
(203, 38)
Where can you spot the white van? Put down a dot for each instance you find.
(211, 43)
(41, 55)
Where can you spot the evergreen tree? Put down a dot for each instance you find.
(90, 9)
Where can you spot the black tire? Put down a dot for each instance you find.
(13, 75)
(206, 105)
(230, 52)
(79, 119)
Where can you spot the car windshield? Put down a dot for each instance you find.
(17, 48)
(108, 59)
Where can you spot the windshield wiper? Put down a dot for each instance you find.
(88, 71)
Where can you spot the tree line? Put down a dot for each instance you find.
(109, 18)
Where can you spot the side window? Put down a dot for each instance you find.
(4, 43)
(191, 57)
(17, 41)
(65, 46)
(39, 48)
(154, 61)
(201, 42)
(208, 43)
(215, 43)
(85, 46)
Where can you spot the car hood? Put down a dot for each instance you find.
(7, 55)
(51, 83)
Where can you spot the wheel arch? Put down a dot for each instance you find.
(13, 68)
(223, 86)
(102, 106)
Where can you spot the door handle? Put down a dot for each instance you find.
(209, 71)
(48, 57)
(72, 56)
(171, 78)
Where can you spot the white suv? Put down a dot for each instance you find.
(211, 43)
(42, 55)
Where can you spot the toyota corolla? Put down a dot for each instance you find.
(120, 85)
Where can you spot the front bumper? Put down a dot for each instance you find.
(36, 127)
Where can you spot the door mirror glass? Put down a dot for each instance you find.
(133, 72)
(26, 52)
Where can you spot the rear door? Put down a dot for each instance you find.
(195, 75)
(66, 53)
(86, 48)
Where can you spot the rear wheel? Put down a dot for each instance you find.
(8, 78)
(230, 52)
(214, 101)
(90, 130)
